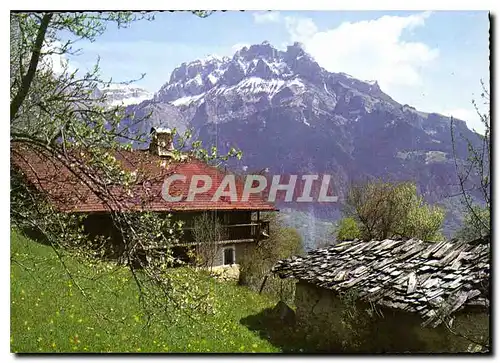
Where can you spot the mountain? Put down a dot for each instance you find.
(122, 94)
(290, 115)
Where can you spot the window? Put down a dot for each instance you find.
(229, 258)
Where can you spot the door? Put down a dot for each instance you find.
(229, 256)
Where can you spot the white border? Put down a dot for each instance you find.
(258, 5)
(186, 4)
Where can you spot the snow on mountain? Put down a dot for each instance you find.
(255, 71)
(260, 77)
(122, 94)
(186, 101)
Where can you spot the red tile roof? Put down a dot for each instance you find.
(69, 192)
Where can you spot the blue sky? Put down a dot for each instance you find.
(431, 60)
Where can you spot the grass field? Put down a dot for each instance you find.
(49, 314)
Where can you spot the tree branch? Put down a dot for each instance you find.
(18, 100)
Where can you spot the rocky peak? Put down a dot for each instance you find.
(261, 51)
(295, 50)
(269, 69)
(187, 71)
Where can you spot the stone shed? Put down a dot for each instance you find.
(394, 295)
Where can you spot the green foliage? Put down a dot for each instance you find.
(257, 262)
(288, 242)
(348, 230)
(386, 210)
(52, 312)
(476, 224)
(424, 221)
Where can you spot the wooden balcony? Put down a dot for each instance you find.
(235, 233)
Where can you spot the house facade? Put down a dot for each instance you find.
(240, 221)
(240, 230)
(394, 296)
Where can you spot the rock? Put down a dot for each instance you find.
(226, 273)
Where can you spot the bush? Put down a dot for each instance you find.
(348, 230)
(476, 224)
(257, 262)
(385, 210)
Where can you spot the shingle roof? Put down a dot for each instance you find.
(69, 194)
(431, 279)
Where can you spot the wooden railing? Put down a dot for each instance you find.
(257, 230)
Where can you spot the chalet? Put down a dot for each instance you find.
(423, 297)
(240, 220)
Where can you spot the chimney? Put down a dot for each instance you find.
(161, 141)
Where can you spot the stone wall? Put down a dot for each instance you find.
(344, 324)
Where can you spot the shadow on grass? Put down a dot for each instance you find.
(35, 235)
(286, 335)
